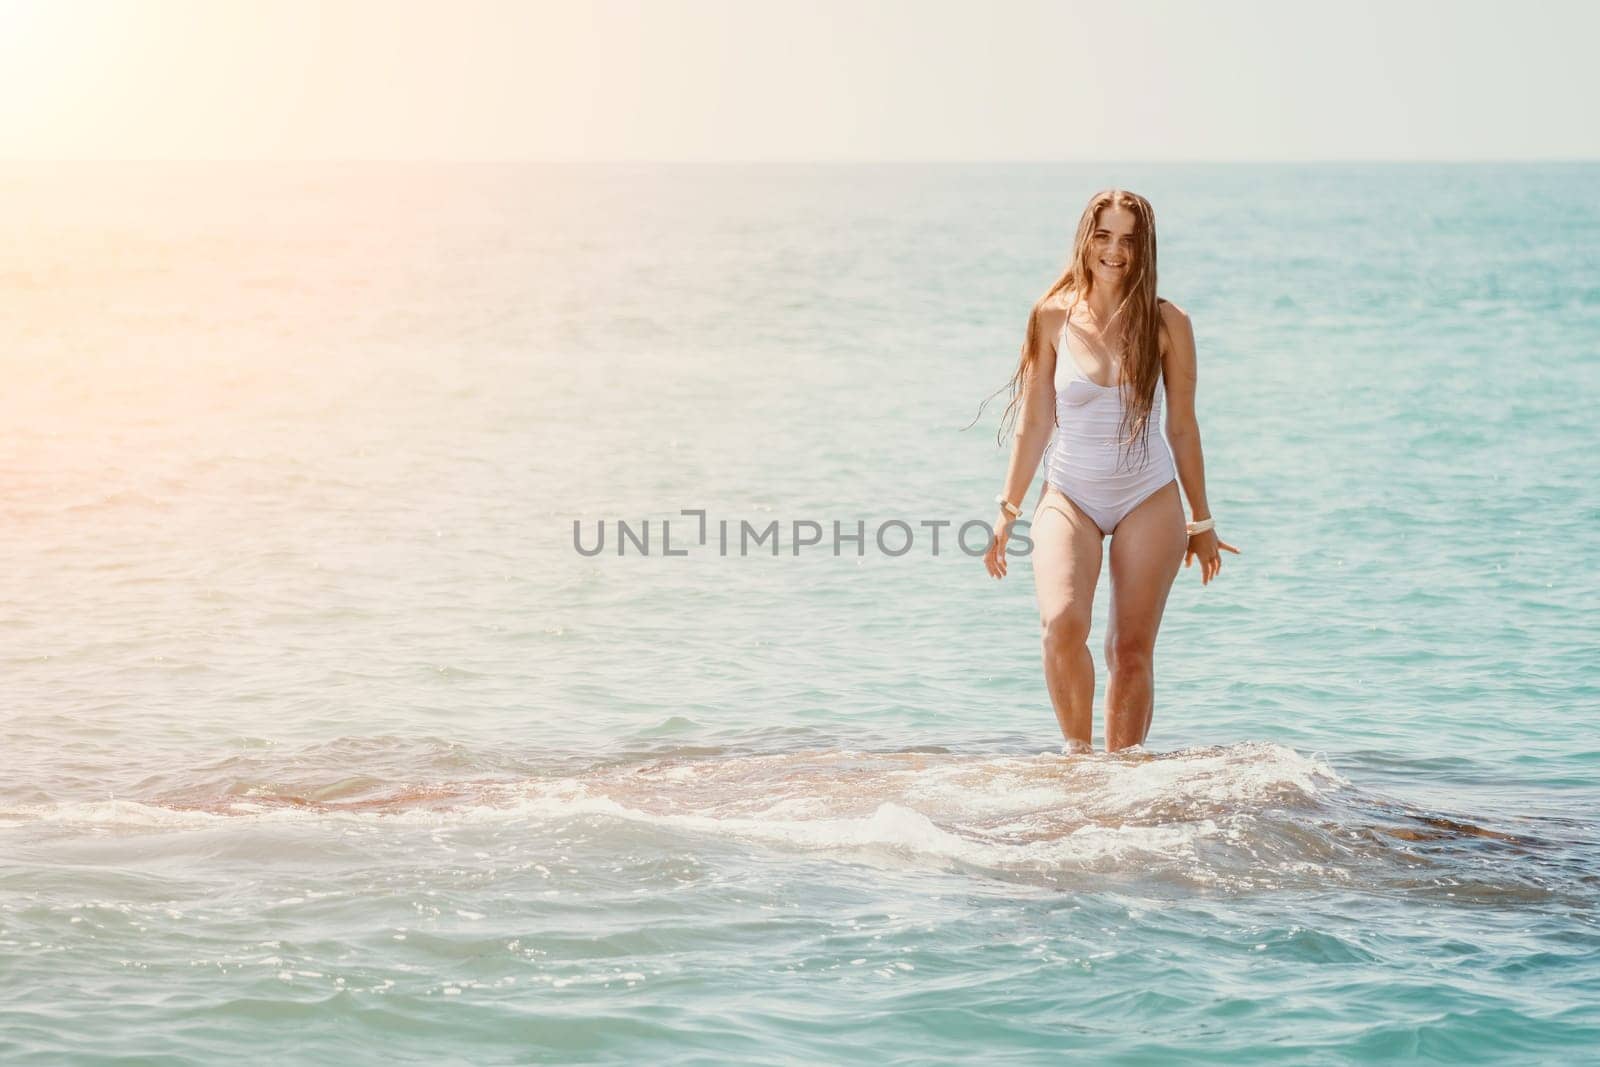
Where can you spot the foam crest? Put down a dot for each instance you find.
(1232, 814)
(132, 814)
(1006, 813)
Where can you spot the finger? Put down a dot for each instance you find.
(1230, 548)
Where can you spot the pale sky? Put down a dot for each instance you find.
(797, 80)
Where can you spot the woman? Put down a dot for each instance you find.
(1101, 347)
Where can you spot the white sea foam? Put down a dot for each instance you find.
(1046, 810)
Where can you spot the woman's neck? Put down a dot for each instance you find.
(1103, 302)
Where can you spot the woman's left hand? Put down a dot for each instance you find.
(1204, 546)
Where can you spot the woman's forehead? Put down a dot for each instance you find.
(1118, 220)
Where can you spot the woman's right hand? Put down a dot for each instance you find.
(995, 558)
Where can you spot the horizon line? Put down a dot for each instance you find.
(816, 161)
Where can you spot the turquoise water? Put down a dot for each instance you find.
(320, 742)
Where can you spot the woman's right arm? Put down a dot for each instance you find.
(1035, 423)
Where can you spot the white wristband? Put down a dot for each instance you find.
(1007, 506)
(1202, 526)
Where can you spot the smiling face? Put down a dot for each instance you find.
(1111, 247)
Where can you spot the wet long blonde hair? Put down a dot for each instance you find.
(1140, 355)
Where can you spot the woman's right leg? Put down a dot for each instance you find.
(1066, 565)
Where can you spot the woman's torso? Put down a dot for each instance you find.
(1089, 416)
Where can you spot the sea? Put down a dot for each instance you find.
(534, 613)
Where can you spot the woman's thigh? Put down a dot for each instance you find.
(1146, 550)
(1066, 560)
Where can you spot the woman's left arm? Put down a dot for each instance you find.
(1179, 372)
(1183, 433)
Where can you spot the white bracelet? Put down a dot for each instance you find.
(1007, 506)
(1202, 526)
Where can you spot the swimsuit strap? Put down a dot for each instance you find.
(1064, 346)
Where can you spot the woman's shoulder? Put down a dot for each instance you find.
(1173, 318)
(1051, 311)
(1176, 335)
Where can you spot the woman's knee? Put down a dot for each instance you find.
(1066, 630)
(1130, 652)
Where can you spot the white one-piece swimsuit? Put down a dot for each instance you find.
(1084, 459)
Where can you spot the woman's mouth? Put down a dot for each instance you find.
(1118, 265)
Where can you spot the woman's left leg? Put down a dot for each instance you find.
(1147, 548)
